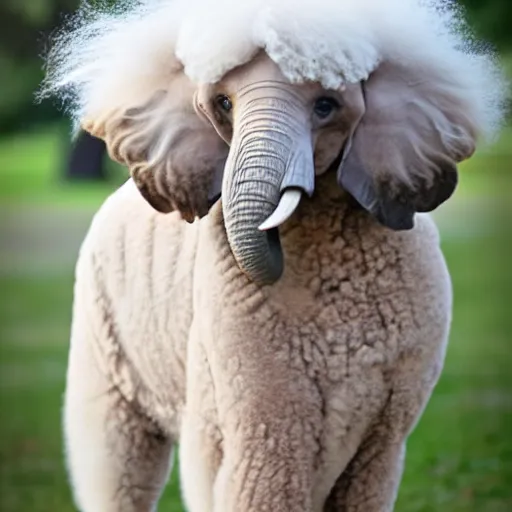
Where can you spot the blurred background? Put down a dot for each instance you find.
(459, 457)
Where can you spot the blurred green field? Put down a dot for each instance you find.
(32, 166)
(459, 457)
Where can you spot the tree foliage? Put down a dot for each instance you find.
(492, 19)
(24, 28)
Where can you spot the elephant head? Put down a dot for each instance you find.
(260, 141)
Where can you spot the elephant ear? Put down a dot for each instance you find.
(174, 156)
(402, 156)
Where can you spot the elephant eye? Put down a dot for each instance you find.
(224, 103)
(324, 107)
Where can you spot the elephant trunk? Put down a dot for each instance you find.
(270, 153)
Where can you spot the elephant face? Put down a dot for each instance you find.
(280, 135)
(259, 141)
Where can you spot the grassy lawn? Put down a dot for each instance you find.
(459, 457)
(31, 166)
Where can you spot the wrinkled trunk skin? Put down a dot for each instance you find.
(267, 125)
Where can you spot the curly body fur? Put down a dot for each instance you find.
(294, 397)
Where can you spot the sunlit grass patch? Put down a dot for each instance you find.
(32, 170)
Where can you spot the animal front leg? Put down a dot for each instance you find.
(258, 477)
(117, 458)
(200, 437)
(370, 482)
(200, 457)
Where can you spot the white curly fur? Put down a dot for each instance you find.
(108, 56)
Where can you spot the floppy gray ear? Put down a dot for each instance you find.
(175, 157)
(401, 158)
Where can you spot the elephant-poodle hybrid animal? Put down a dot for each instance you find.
(275, 298)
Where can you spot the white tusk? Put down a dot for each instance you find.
(287, 205)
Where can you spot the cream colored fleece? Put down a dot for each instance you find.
(295, 397)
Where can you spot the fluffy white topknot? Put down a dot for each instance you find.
(112, 53)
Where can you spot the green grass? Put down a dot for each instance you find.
(487, 172)
(459, 457)
(31, 169)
